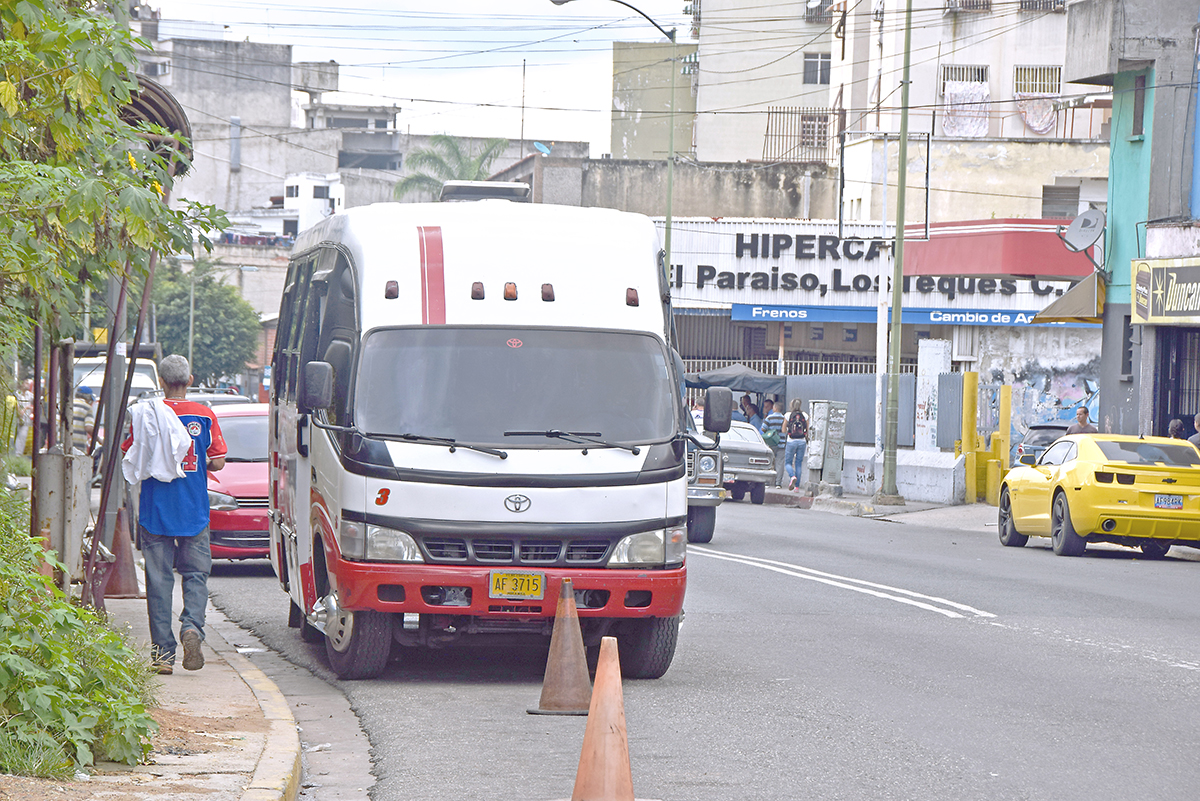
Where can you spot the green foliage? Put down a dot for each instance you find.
(226, 328)
(80, 192)
(446, 159)
(71, 690)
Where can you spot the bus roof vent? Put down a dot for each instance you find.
(454, 191)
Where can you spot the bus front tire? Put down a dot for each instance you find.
(358, 644)
(647, 646)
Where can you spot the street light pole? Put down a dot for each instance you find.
(671, 122)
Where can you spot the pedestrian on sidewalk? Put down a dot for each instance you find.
(797, 443)
(772, 431)
(173, 443)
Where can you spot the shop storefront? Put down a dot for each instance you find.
(805, 296)
(1166, 307)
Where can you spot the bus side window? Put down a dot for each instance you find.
(303, 274)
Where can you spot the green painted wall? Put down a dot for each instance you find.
(1128, 183)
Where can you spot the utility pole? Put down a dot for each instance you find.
(888, 490)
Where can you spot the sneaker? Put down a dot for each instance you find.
(193, 657)
(792, 484)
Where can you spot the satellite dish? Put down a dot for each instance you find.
(545, 151)
(1083, 231)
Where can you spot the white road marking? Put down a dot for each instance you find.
(896, 594)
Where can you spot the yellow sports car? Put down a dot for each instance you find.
(1143, 492)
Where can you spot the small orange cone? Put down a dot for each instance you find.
(604, 773)
(567, 688)
(122, 581)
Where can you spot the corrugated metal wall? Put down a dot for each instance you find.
(858, 391)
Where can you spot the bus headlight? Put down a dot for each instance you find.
(390, 545)
(644, 548)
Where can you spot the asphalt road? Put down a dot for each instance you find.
(828, 657)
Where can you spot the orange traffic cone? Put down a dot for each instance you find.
(604, 773)
(122, 581)
(567, 688)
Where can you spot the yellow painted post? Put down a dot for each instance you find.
(992, 484)
(1005, 432)
(970, 417)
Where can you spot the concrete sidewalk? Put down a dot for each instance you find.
(978, 517)
(226, 731)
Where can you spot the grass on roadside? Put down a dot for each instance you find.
(71, 690)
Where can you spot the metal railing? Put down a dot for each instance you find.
(794, 366)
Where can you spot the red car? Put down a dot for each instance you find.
(237, 494)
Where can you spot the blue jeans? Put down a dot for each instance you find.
(793, 458)
(193, 559)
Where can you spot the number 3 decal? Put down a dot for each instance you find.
(382, 497)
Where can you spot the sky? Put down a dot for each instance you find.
(463, 67)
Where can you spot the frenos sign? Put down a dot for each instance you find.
(802, 263)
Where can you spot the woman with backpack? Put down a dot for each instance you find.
(797, 442)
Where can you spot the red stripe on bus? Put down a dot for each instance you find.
(433, 277)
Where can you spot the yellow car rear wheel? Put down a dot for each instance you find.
(1062, 532)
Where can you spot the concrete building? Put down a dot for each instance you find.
(1146, 53)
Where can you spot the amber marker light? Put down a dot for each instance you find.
(391, 290)
(631, 297)
(510, 291)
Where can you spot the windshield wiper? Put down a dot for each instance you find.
(578, 437)
(424, 440)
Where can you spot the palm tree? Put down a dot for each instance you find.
(444, 160)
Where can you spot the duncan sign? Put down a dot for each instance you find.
(1166, 291)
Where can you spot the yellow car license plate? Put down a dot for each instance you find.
(518, 585)
(1168, 501)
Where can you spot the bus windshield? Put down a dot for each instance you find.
(475, 384)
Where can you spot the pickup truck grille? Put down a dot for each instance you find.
(691, 465)
(505, 551)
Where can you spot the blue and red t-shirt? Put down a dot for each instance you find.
(180, 508)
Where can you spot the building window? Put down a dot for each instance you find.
(346, 122)
(817, 332)
(819, 13)
(292, 190)
(966, 100)
(155, 69)
(1060, 202)
(798, 134)
(381, 125)
(1139, 105)
(968, 5)
(320, 191)
(816, 68)
(369, 161)
(1037, 81)
(1043, 5)
(291, 227)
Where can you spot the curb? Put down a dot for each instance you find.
(277, 774)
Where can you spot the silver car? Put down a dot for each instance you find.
(749, 462)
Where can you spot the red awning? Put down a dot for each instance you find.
(994, 249)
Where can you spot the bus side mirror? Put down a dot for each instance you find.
(718, 409)
(316, 386)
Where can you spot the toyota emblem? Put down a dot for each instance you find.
(517, 503)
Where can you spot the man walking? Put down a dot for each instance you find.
(1081, 424)
(173, 444)
(772, 431)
